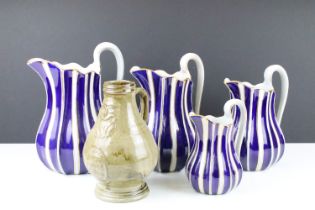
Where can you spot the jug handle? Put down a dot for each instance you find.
(107, 46)
(284, 86)
(243, 118)
(200, 75)
(143, 103)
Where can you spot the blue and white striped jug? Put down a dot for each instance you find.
(213, 166)
(73, 98)
(263, 142)
(170, 104)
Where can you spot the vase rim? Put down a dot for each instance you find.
(119, 86)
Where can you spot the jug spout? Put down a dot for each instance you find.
(140, 75)
(239, 89)
(36, 65)
(49, 75)
(233, 87)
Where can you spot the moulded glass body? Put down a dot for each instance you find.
(120, 150)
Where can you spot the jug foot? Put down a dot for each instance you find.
(107, 192)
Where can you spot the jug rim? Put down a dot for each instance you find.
(260, 86)
(67, 67)
(222, 120)
(179, 75)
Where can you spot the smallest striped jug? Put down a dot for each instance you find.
(213, 166)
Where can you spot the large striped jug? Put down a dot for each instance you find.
(170, 103)
(213, 166)
(263, 142)
(73, 98)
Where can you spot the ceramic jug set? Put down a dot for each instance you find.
(121, 143)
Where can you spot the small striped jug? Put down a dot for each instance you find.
(263, 142)
(170, 103)
(73, 98)
(213, 166)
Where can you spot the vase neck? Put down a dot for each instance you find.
(118, 87)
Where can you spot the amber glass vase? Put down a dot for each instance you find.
(120, 150)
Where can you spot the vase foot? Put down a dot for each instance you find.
(121, 194)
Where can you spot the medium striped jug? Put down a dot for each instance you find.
(213, 166)
(263, 142)
(73, 98)
(170, 103)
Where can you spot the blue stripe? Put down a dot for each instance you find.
(196, 164)
(82, 127)
(41, 133)
(278, 130)
(66, 141)
(267, 140)
(54, 133)
(215, 171)
(157, 84)
(166, 139)
(90, 116)
(182, 141)
(190, 136)
(253, 152)
(208, 161)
